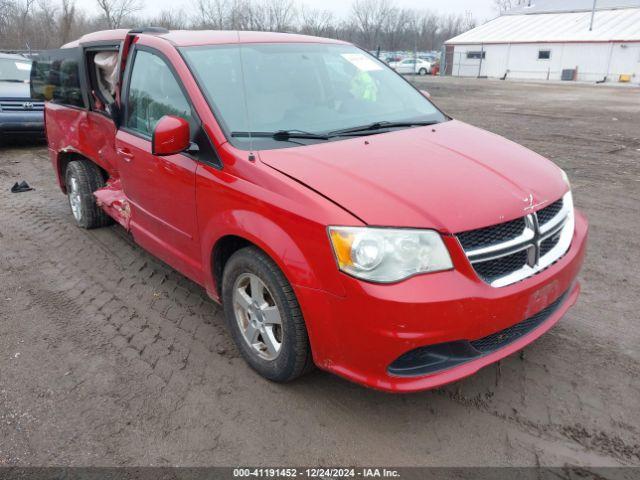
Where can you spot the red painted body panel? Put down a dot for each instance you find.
(372, 325)
(170, 136)
(451, 177)
(161, 194)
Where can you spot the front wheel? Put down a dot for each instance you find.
(264, 317)
(422, 72)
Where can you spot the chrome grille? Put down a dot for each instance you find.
(21, 106)
(512, 251)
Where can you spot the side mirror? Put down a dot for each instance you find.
(425, 93)
(170, 136)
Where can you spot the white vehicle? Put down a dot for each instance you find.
(412, 66)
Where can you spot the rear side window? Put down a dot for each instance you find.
(55, 76)
(153, 93)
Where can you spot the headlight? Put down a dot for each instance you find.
(388, 255)
(565, 177)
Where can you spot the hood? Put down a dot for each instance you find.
(451, 177)
(14, 90)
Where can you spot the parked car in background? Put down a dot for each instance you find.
(19, 113)
(429, 57)
(393, 59)
(412, 66)
(337, 214)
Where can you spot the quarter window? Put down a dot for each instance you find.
(544, 54)
(153, 93)
(55, 76)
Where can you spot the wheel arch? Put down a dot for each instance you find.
(265, 235)
(64, 157)
(222, 250)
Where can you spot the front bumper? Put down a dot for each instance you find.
(27, 122)
(360, 335)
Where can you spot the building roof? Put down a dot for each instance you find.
(609, 25)
(556, 6)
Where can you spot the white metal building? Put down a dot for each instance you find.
(540, 40)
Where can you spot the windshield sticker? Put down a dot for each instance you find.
(361, 62)
(23, 66)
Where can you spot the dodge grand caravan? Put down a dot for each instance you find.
(340, 217)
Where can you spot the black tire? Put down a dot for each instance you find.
(89, 178)
(294, 358)
(422, 72)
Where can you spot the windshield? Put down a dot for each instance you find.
(301, 87)
(15, 70)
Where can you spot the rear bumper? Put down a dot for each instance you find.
(361, 335)
(22, 123)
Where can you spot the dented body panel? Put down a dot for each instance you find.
(450, 177)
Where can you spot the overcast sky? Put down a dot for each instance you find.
(481, 9)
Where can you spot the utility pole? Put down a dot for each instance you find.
(593, 14)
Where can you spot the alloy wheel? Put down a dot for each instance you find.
(258, 316)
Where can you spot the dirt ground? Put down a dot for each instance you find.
(109, 357)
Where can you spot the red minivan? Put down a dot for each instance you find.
(339, 216)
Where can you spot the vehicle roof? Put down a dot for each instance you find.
(184, 38)
(13, 56)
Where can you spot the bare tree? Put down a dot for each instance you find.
(505, 5)
(369, 18)
(24, 10)
(213, 13)
(317, 22)
(372, 23)
(171, 20)
(66, 20)
(241, 15)
(116, 11)
(280, 14)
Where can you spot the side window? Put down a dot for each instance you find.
(55, 76)
(102, 70)
(153, 93)
(477, 55)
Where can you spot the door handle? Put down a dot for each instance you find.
(125, 153)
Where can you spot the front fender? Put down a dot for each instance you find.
(283, 218)
(265, 234)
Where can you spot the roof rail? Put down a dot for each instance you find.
(158, 30)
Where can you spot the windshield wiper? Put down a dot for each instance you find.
(12, 80)
(375, 126)
(282, 135)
